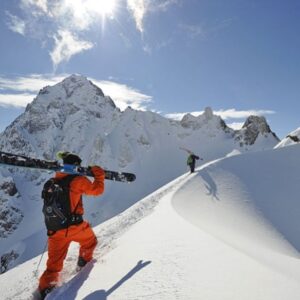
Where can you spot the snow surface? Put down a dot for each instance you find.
(291, 139)
(229, 231)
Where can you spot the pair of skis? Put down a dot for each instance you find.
(16, 160)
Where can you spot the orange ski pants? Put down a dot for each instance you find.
(58, 245)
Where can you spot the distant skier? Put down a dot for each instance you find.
(191, 161)
(77, 229)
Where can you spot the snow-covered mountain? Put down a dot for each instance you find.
(291, 139)
(75, 115)
(229, 231)
(255, 131)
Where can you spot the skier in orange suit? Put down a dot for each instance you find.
(80, 232)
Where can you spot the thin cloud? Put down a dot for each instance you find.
(32, 83)
(204, 30)
(15, 100)
(67, 45)
(163, 5)
(15, 24)
(236, 125)
(73, 15)
(127, 42)
(175, 116)
(225, 114)
(238, 114)
(59, 24)
(61, 21)
(124, 95)
(20, 91)
(39, 5)
(138, 8)
(192, 31)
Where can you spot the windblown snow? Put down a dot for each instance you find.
(228, 231)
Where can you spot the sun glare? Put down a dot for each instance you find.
(83, 13)
(102, 7)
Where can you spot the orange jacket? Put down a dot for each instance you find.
(81, 185)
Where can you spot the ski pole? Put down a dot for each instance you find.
(37, 268)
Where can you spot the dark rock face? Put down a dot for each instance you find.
(253, 126)
(10, 214)
(294, 138)
(9, 188)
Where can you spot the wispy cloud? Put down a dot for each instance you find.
(235, 125)
(192, 31)
(15, 100)
(124, 95)
(66, 45)
(238, 114)
(59, 24)
(15, 24)
(140, 9)
(204, 30)
(32, 83)
(38, 5)
(20, 91)
(163, 5)
(225, 114)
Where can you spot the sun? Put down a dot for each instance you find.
(84, 13)
(105, 8)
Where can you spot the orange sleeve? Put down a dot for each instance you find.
(83, 185)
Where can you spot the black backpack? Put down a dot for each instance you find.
(57, 207)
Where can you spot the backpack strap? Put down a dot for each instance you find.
(74, 218)
(66, 181)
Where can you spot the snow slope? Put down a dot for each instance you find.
(291, 139)
(229, 231)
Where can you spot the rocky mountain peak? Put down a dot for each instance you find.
(72, 103)
(74, 82)
(206, 119)
(257, 124)
(291, 139)
(253, 127)
(208, 113)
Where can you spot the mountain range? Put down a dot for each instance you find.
(76, 116)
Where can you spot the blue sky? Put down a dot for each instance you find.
(240, 57)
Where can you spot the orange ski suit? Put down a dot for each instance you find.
(82, 233)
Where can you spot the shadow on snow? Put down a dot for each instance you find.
(102, 294)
